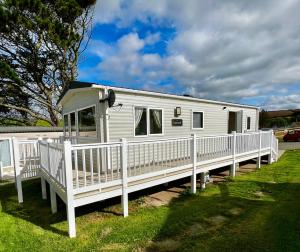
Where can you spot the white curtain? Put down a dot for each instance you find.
(5, 155)
(138, 116)
(157, 117)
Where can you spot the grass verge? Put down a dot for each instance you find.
(259, 211)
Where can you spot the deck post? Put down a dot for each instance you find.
(53, 200)
(194, 162)
(69, 188)
(44, 190)
(124, 177)
(1, 171)
(233, 166)
(43, 181)
(202, 181)
(271, 144)
(276, 156)
(258, 160)
(18, 175)
(48, 152)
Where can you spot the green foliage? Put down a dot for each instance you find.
(39, 48)
(42, 123)
(263, 118)
(258, 211)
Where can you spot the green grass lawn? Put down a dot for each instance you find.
(259, 211)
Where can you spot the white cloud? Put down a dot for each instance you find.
(126, 64)
(224, 50)
(107, 11)
(283, 102)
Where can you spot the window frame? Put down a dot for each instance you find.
(192, 119)
(77, 120)
(148, 108)
(68, 114)
(66, 131)
(134, 125)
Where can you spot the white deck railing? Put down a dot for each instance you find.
(82, 173)
(52, 161)
(101, 163)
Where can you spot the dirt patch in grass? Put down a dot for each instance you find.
(163, 197)
(259, 194)
(105, 232)
(196, 230)
(236, 211)
(164, 245)
(217, 220)
(113, 247)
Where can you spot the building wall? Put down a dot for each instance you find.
(84, 99)
(121, 120)
(80, 100)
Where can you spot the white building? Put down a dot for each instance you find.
(118, 141)
(143, 115)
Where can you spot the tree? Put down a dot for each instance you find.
(263, 118)
(40, 43)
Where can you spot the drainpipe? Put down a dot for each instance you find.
(106, 117)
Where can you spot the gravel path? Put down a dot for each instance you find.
(289, 145)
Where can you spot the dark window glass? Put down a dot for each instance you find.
(66, 125)
(197, 120)
(86, 122)
(155, 121)
(73, 124)
(248, 123)
(140, 121)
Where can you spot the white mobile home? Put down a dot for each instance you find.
(143, 115)
(118, 141)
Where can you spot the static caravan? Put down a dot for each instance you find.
(118, 141)
(107, 114)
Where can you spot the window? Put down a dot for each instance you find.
(86, 122)
(148, 121)
(66, 125)
(140, 121)
(197, 120)
(248, 123)
(155, 121)
(73, 124)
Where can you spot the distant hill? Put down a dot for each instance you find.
(284, 113)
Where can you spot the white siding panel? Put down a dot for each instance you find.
(121, 120)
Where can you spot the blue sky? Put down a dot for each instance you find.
(233, 50)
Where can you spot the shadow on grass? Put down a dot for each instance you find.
(34, 209)
(38, 211)
(260, 217)
(238, 216)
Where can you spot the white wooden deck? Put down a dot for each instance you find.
(84, 173)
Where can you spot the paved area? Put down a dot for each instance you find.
(171, 191)
(288, 145)
(8, 174)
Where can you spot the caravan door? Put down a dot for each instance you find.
(239, 121)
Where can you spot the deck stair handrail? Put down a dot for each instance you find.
(52, 161)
